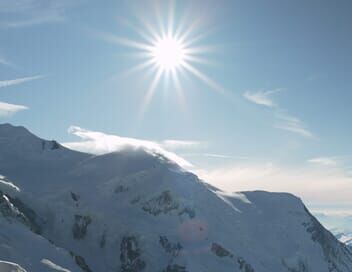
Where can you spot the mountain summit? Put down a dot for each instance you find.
(134, 211)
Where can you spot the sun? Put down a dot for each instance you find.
(168, 53)
(169, 50)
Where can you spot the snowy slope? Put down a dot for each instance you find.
(135, 210)
(10, 267)
(345, 237)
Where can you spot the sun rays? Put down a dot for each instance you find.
(168, 49)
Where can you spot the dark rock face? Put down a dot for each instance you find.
(244, 266)
(102, 242)
(333, 249)
(74, 196)
(188, 211)
(54, 145)
(130, 255)
(163, 203)
(8, 210)
(15, 208)
(120, 189)
(175, 268)
(51, 145)
(80, 226)
(222, 252)
(171, 248)
(80, 261)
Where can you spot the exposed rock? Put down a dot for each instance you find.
(163, 203)
(120, 189)
(171, 248)
(334, 251)
(103, 240)
(51, 145)
(80, 226)
(15, 208)
(74, 196)
(81, 262)
(135, 200)
(189, 211)
(54, 145)
(220, 251)
(244, 266)
(130, 255)
(175, 268)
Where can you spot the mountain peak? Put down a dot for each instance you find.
(19, 141)
(8, 129)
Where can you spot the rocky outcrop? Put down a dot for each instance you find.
(171, 248)
(175, 268)
(13, 208)
(120, 189)
(130, 255)
(162, 204)
(81, 262)
(222, 252)
(80, 226)
(334, 251)
(75, 197)
(51, 145)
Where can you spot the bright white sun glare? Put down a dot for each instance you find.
(168, 53)
(170, 49)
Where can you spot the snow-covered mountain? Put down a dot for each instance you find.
(345, 237)
(135, 210)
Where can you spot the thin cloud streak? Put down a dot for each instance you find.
(9, 109)
(5, 62)
(28, 13)
(261, 97)
(215, 156)
(293, 124)
(283, 120)
(325, 161)
(180, 144)
(17, 81)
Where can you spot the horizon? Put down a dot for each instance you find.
(255, 97)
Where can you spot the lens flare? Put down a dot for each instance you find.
(168, 53)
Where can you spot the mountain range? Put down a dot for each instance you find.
(136, 210)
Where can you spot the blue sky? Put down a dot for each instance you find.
(281, 121)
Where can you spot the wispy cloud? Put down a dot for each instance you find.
(95, 142)
(283, 120)
(261, 97)
(8, 109)
(6, 62)
(320, 184)
(180, 144)
(23, 13)
(325, 161)
(11, 82)
(216, 156)
(292, 124)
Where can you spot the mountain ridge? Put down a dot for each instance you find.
(134, 210)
